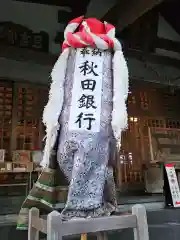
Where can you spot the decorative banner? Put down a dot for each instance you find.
(20, 36)
(173, 184)
(85, 109)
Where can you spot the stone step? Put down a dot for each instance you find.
(10, 205)
(159, 232)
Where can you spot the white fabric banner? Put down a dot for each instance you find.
(85, 108)
(173, 185)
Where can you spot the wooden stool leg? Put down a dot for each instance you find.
(33, 234)
(141, 231)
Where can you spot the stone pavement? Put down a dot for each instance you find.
(164, 224)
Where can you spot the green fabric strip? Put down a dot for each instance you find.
(22, 227)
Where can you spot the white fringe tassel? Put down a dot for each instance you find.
(120, 93)
(56, 98)
(54, 105)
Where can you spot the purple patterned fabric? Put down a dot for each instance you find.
(83, 157)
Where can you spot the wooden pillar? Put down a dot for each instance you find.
(14, 118)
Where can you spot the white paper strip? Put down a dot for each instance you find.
(85, 108)
(173, 185)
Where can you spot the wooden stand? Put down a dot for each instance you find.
(56, 229)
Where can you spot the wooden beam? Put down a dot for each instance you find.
(45, 59)
(27, 55)
(141, 35)
(133, 10)
(98, 8)
(152, 57)
(49, 2)
(128, 11)
(167, 44)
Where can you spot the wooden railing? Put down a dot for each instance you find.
(55, 228)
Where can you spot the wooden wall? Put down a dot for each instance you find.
(148, 105)
(21, 107)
